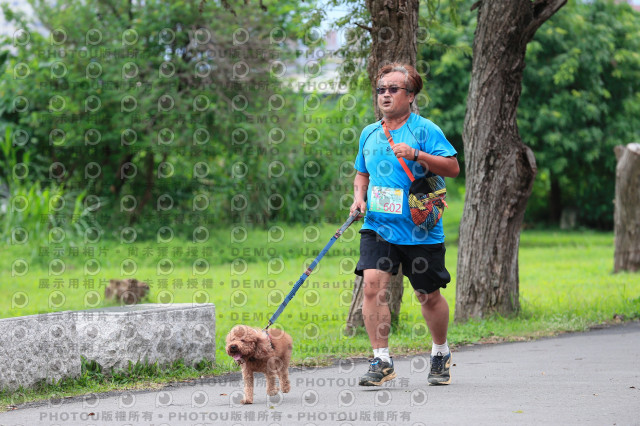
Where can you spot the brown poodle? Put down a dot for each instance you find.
(259, 352)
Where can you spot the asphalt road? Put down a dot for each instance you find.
(575, 379)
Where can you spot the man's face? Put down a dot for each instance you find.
(398, 104)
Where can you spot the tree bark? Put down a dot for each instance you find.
(354, 318)
(627, 209)
(150, 174)
(500, 169)
(394, 24)
(394, 299)
(555, 199)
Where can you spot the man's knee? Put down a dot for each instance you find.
(428, 300)
(374, 290)
(375, 284)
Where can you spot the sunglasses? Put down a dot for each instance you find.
(392, 90)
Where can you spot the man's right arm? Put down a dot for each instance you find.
(360, 185)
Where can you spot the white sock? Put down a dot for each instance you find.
(443, 349)
(382, 353)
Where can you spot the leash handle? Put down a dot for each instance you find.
(348, 223)
(311, 267)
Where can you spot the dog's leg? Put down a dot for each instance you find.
(284, 378)
(247, 376)
(272, 388)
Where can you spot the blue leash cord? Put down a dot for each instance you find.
(306, 273)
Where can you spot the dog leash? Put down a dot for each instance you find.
(306, 273)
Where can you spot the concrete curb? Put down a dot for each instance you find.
(49, 347)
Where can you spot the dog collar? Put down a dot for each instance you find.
(269, 337)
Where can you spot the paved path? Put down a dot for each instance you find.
(574, 379)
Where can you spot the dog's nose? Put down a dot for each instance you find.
(233, 347)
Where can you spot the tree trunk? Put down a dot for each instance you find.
(394, 24)
(394, 299)
(354, 318)
(500, 169)
(150, 173)
(555, 199)
(627, 209)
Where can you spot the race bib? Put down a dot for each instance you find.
(386, 200)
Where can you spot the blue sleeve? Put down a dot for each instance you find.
(436, 143)
(360, 165)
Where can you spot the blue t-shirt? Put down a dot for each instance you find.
(388, 211)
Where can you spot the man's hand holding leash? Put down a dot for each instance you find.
(360, 185)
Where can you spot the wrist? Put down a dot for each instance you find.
(415, 154)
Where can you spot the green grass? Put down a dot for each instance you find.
(93, 380)
(566, 284)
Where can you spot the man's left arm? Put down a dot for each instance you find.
(438, 164)
(443, 166)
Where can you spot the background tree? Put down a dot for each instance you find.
(500, 169)
(567, 113)
(580, 100)
(627, 211)
(446, 61)
(160, 102)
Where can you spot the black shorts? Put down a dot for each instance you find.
(422, 264)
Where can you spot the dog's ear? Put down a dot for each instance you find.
(232, 333)
(244, 332)
(238, 332)
(263, 345)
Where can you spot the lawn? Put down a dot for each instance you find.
(566, 284)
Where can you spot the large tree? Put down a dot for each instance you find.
(500, 169)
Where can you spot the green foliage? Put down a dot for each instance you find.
(92, 379)
(34, 212)
(580, 99)
(144, 105)
(257, 150)
(353, 26)
(446, 62)
(91, 371)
